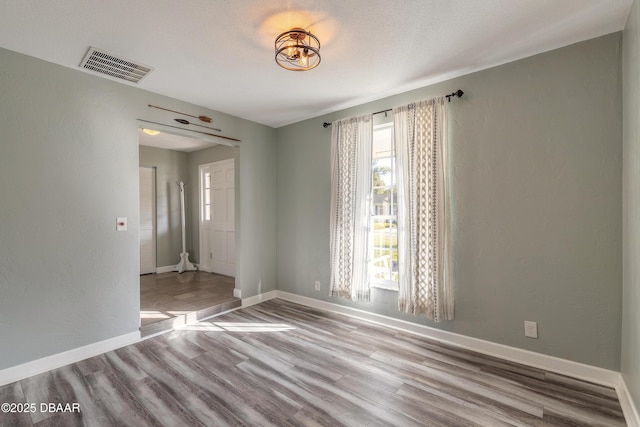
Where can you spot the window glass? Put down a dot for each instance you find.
(383, 238)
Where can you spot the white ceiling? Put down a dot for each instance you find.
(220, 53)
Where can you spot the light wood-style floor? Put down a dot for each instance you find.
(282, 364)
(167, 296)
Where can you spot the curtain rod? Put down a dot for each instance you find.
(456, 94)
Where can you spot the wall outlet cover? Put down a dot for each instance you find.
(317, 285)
(121, 224)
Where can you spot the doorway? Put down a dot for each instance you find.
(169, 299)
(217, 217)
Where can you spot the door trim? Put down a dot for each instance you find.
(154, 225)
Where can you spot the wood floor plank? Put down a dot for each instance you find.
(12, 393)
(73, 387)
(206, 400)
(41, 388)
(167, 296)
(118, 401)
(282, 364)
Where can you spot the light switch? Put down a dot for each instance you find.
(530, 329)
(121, 224)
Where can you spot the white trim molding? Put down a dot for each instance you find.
(593, 374)
(165, 269)
(569, 368)
(626, 402)
(35, 367)
(537, 360)
(257, 299)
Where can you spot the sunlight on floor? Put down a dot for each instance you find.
(161, 314)
(153, 315)
(237, 327)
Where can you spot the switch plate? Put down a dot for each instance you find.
(530, 329)
(317, 285)
(121, 224)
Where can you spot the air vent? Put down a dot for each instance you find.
(111, 65)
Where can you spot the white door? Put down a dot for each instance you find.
(217, 217)
(147, 220)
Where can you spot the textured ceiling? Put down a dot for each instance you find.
(171, 141)
(219, 53)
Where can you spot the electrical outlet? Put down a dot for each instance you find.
(121, 224)
(317, 285)
(530, 329)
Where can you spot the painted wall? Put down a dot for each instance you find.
(630, 362)
(255, 173)
(256, 268)
(171, 167)
(536, 199)
(69, 167)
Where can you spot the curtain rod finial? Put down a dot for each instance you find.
(457, 94)
(326, 125)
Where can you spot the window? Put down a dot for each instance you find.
(383, 234)
(206, 200)
(365, 191)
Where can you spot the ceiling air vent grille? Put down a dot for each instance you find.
(113, 66)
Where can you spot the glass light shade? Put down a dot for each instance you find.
(291, 49)
(304, 59)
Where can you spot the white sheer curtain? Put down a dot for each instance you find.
(424, 247)
(350, 205)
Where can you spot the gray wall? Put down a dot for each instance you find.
(630, 362)
(68, 168)
(536, 199)
(256, 268)
(171, 167)
(201, 157)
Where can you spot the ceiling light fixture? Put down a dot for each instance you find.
(297, 50)
(150, 131)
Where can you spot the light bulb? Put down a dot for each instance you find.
(291, 49)
(304, 58)
(150, 131)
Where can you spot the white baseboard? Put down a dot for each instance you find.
(165, 269)
(550, 363)
(628, 408)
(35, 367)
(248, 302)
(569, 368)
(237, 293)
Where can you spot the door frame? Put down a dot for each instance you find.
(154, 218)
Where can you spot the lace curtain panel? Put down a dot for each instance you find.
(424, 247)
(350, 207)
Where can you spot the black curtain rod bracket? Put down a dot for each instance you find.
(456, 94)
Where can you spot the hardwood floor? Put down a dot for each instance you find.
(167, 299)
(279, 363)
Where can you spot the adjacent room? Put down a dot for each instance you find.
(320, 213)
(174, 290)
